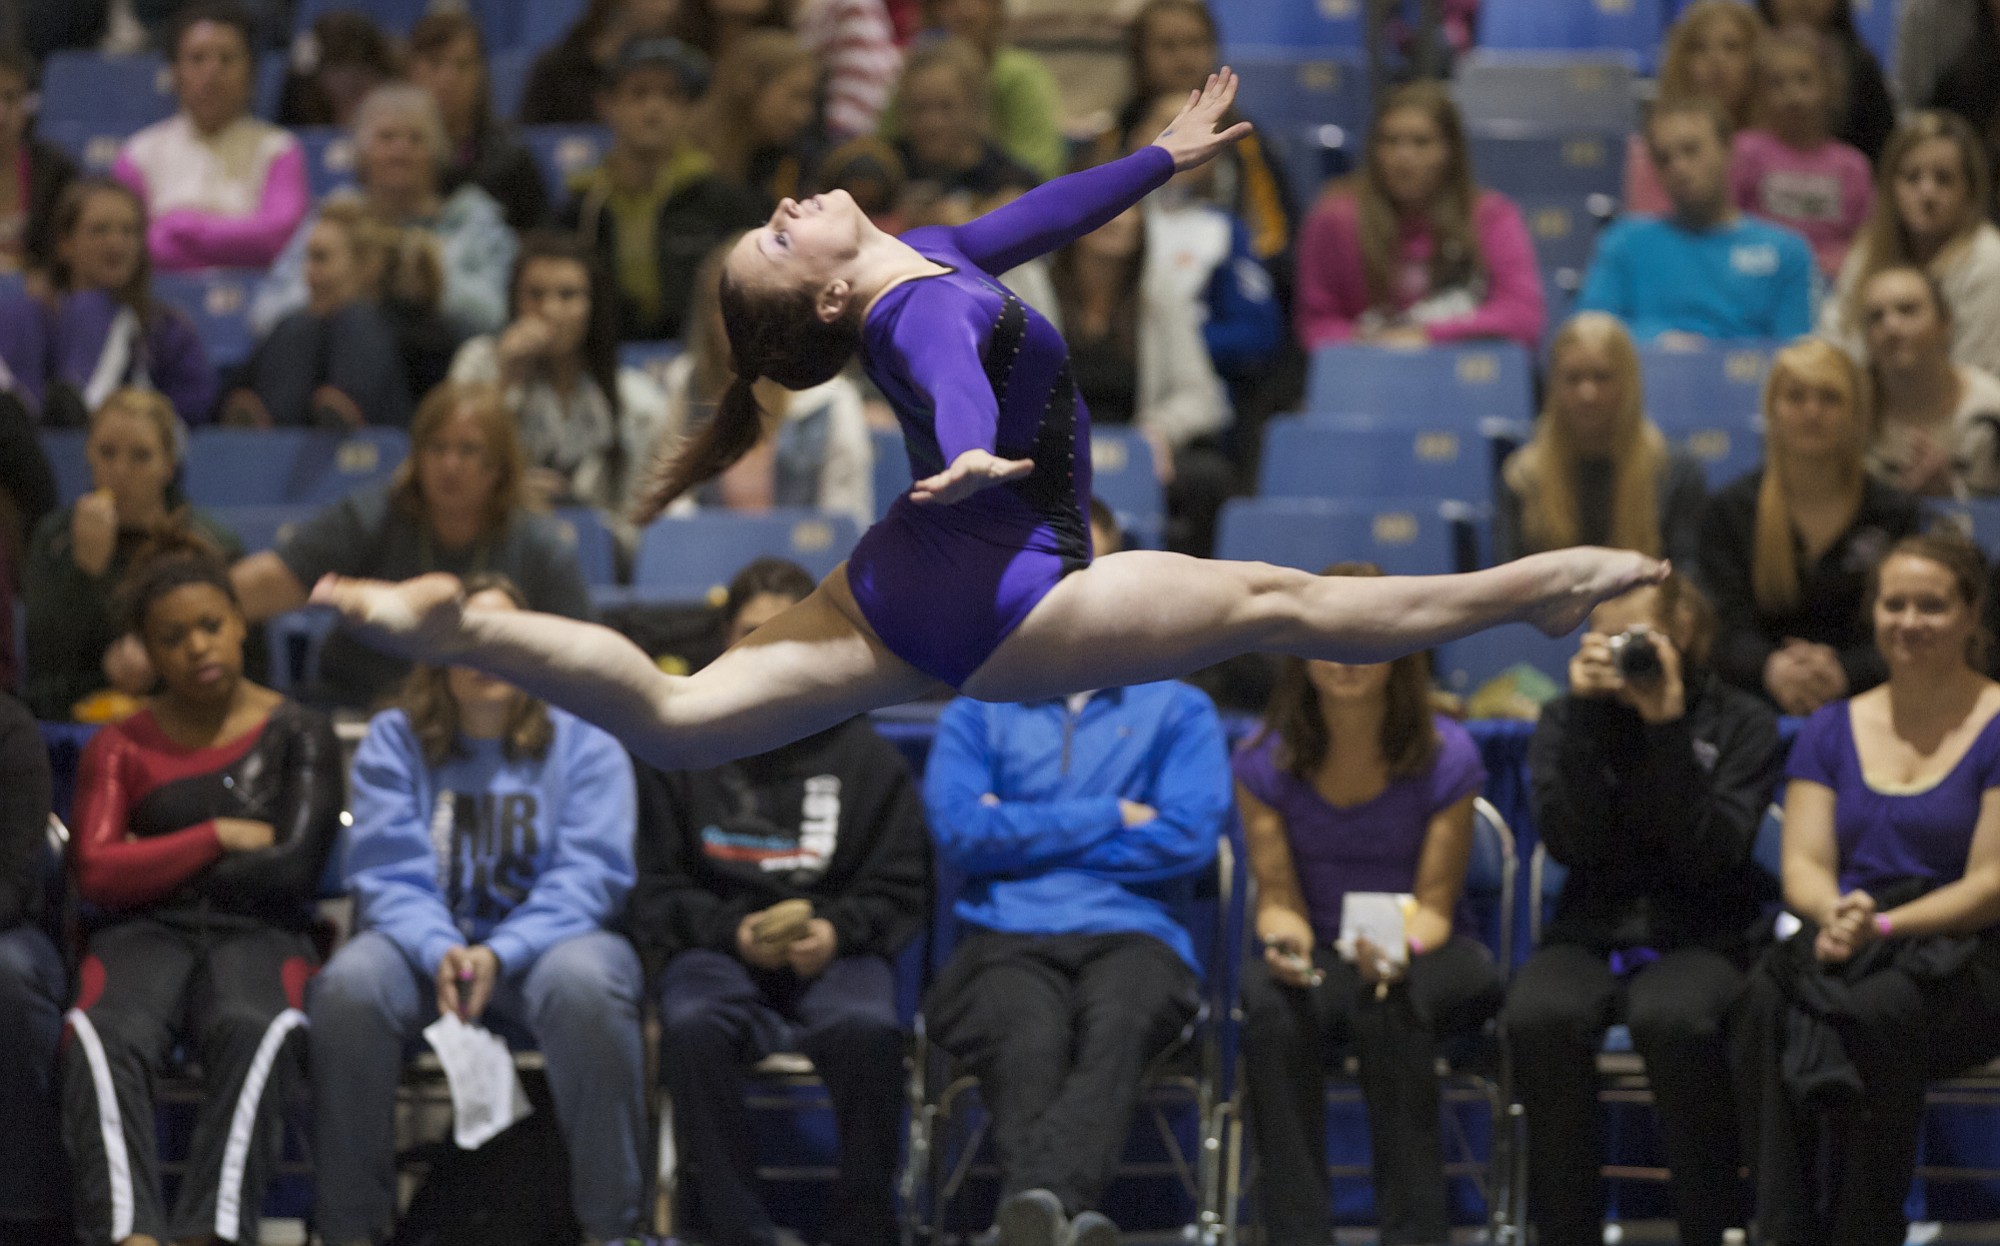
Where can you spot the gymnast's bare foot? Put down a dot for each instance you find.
(418, 619)
(1575, 580)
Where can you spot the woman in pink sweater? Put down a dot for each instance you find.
(221, 188)
(1411, 252)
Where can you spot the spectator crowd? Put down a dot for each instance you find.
(542, 343)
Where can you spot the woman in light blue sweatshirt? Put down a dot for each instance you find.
(491, 849)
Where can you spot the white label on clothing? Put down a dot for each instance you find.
(486, 1092)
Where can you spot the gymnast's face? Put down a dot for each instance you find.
(804, 243)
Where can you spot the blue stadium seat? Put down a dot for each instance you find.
(1300, 90)
(1254, 25)
(1565, 231)
(1709, 401)
(1464, 666)
(1573, 90)
(1876, 21)
(1405, 537)
(218, 301)
(507, 80)
(691, 559)
(1530, 162)
(271, 69)
(288, 466)
(561, 150)
(261, 527)
(650, 357)
(1124, 476)
(499, 28)
(64, 446)
(892, 468)
(596, 549)
(90, 103)
(1469, 384)
(1355, 457)
(329, 152)
(545, 22)
(393, 16)
(1633, 27)
(12, 286)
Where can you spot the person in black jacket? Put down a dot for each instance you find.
(1648, 784)
(33, 1185)
(772, 894)
(656, 183)
(448, 59)
(27, 492)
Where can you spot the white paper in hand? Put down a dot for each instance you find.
(1376, 916)
(486, 1092)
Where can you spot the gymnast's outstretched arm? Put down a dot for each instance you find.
(1059, 212)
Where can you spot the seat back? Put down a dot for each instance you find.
(287, 466)
(1124, 476)
(1404, 536)
(562, 150)
(217, 300)
(1489, 881)
(1355, 457)
(262, 527)
(1489, 380)
(1709, 402)
(1588, 89)
(91, 103)
(1261, 24)
(691, 559)
(891, 468)
(1466, 664)
(583, 528)
(507, 73)
(65, 448)
(329, 155)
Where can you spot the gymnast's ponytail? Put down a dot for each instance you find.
(775, 333)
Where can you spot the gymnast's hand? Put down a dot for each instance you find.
(968, 474)
(417, 619)
(1191, 138)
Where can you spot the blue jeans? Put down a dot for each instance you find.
(34, 1181)
(580, 1002)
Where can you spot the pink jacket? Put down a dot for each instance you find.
(1333, 287)
(230, 200)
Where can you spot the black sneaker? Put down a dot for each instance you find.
(1092, 1228)
(1032, 1218)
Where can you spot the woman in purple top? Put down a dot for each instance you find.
(1354, 785)
(980, 577)
(1892, 862)
(103, 331)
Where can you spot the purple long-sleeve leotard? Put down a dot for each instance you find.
(967, 365)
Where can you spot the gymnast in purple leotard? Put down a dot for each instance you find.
(980, 577)
(967, 365)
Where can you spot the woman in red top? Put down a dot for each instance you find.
(202, 825)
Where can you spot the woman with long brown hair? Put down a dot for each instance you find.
(1891, 867)
(980, 576)
(1354, 785)
(1711, 54)
(756, 119)
(448, 59)
(1413, 251)
(490, 853)
(1597, 471)
(1931, 197)
(1785, 550)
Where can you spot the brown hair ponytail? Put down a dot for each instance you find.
(773, 332)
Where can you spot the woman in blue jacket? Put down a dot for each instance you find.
(491, 848)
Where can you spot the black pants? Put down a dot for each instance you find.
(719, 1016)
(1059, 1030)
(1291, 1036)
(353, 350)
(231, 994)
(34, 1184)
(1561, 1002)
(1839, 1178)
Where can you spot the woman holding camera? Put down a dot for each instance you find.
(1892, 865)
(1649, 780)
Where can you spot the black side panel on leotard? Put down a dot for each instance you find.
(1051, 488)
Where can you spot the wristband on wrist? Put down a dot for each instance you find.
(1882, 925)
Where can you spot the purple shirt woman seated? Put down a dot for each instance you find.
(1892, 868)
(1355, 786)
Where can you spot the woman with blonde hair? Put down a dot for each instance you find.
(1415, 252)
(1931, 197)
(77, 555)
(1710, 53)
(457, 504)
(1597, 471)
(1785, 550)
(756, 120)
